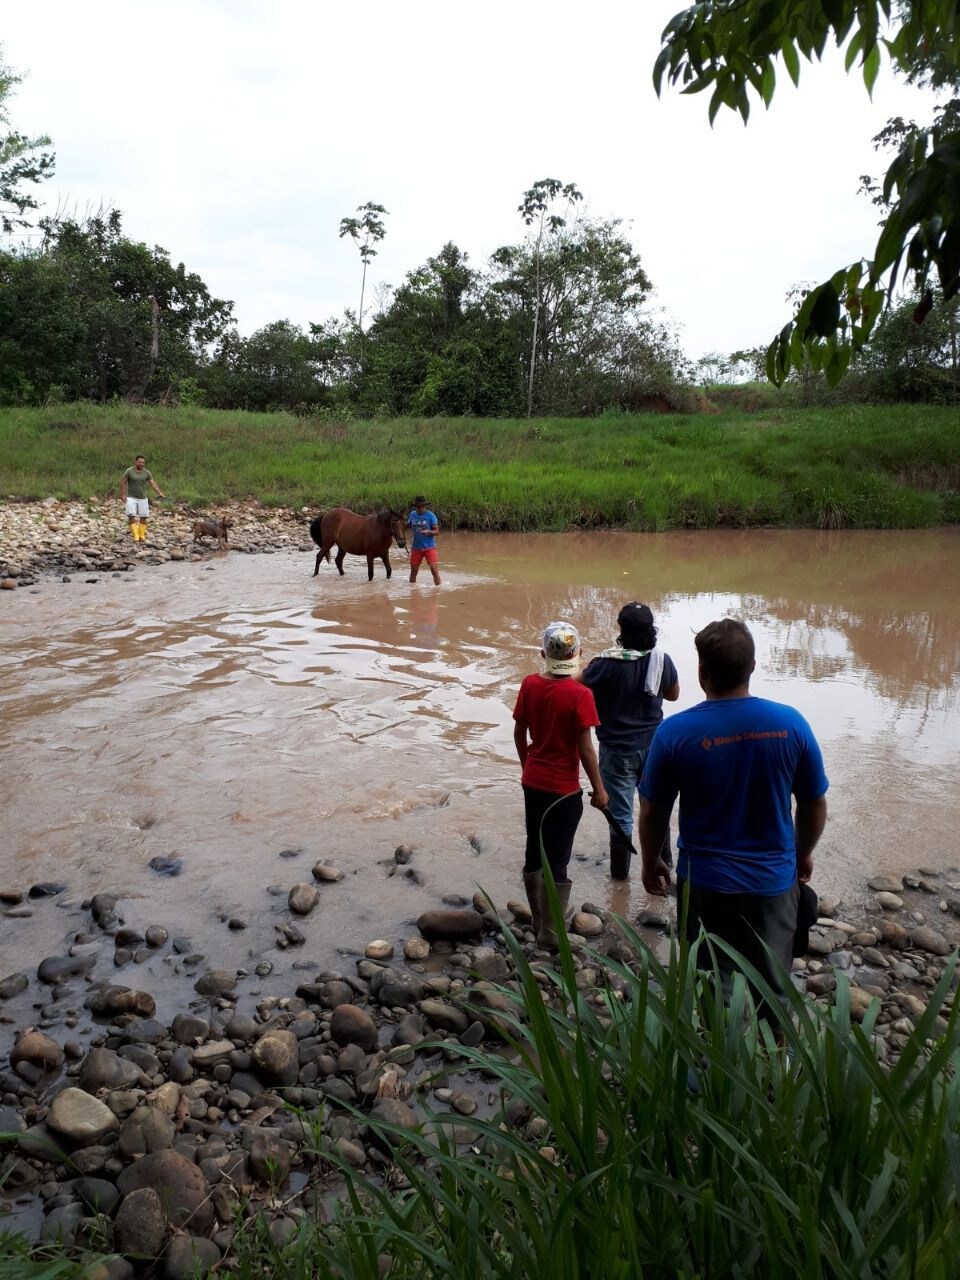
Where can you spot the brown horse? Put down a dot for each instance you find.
(357, 536)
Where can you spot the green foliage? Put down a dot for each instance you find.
(22, 160)
(732, 48)
(910, 360)
(856, 466)
(77, 313)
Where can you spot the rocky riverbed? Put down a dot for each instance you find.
(69, 538)
(151, 1138)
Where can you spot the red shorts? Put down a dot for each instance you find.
(428, 553)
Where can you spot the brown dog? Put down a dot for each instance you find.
(212, 529)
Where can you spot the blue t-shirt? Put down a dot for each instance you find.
(735, 762)
(628, 714)
(424, 524)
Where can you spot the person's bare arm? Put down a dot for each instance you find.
(808, 824)
(154, 486)
(520, 742)
(123, 488)
(673, 693)
(652, 828)
(588, 758)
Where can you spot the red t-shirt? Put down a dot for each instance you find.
(554, 711)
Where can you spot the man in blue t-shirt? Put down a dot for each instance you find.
(735, 761)
(424, 525)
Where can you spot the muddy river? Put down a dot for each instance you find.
(225, 711)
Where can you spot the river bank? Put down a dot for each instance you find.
(895, 466)
(159, 1136)
(65, 538)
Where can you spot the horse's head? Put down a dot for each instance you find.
(398, 529)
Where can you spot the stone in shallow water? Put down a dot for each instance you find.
(38, 1049)
(350, 1025)
(888, 901)
(215, 982)
(930, 940)
(326, 874)
(166, 866)
(379, 949)
(302, 899)
(452, 925)
(886, 884)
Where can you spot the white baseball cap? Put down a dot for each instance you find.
(561, 648)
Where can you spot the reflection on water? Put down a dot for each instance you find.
(224, 715)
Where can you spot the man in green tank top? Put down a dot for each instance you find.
(133, 492)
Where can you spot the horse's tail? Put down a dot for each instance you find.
(316, 530)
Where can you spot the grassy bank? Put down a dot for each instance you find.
(851, 467)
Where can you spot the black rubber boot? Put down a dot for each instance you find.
(620, 856)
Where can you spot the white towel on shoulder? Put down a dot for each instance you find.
(654, 672)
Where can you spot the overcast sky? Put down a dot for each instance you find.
(237, 133)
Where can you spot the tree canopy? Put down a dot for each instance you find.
(733, 49)
(23, 160)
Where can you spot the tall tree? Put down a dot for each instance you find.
(366, 232)
(732, 47)
(22, 160)
(538, 210)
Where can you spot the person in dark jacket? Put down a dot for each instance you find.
(629, 683)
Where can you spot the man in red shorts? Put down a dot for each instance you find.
(424, 525)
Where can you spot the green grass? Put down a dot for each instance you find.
(850, 467)
(822, 1164)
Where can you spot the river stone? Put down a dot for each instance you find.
(276, 1056)
(211, 1054)
(818, 984)
(586, 924)
(167, 867)
(97, 1194)
(450, 925)
(894, 935)
(80, 1117)
(38, 1049)
(178, 1182)
(394, 989)
(156, 936)
(188, 1257)
(336, 992)
(350, 1025)
(326, 874)
(102, 907)
(445, 1016)
(13, 985)
(215, 982)
(110, 1001)
(270, 1158)
(393, 1112)
(408, 1031)
(187, 1028)
(416, 949)
(888, 901)
(139, 1228)
(104, 1069)
(56, 969)
(931, 941)
(379, 949)
(146, 1129)
(302, 898)
(886, 884)
(860, 1002)
(166, 1098)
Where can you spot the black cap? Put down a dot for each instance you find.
(419, 499)
(634, 615)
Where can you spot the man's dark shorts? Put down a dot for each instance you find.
(745, 921)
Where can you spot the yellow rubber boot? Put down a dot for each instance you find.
(135, 531)
(143, 530)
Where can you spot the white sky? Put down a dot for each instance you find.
(237, 133)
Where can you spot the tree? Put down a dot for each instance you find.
(535, 210)
(366, 232)
(732, 47)
(22, 160)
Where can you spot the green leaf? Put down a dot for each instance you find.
(871, 68)
(791, 60)
(769, 82)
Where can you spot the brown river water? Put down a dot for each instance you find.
(223, 711)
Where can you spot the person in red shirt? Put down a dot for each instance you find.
(554, 715)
